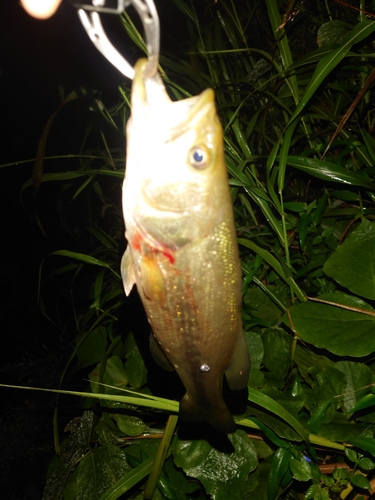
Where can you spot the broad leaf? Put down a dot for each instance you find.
(224, 475)
(352, 264)
(358, 378)
(277, 345)
(135, 366)
(328, 383)
(343, 332)
(100, 470)
(261, 305)
(130, 425)
(278, 470)
(93, 348)
(301, 469)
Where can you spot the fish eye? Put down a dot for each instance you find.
(199, 157)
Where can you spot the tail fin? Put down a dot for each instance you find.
(218, 416)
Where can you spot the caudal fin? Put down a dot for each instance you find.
(218, 416)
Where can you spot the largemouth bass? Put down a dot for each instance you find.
(182, 251)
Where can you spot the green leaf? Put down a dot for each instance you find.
(224, 475)
(135, 366)
(351, 455)
(316, 492)
(87, 259)
(267, 256)
(277, 348)
(262, 306)
(105, 434)
(266, 428)
(333, 32)
(256, 352)
(365, 444)
(269, 404)
(365, 402)
(128, 481)
(93, 348)
(331, 60)
(352, 264)
(129, 425)
(360, 481)
(301, 469)
(328, 383)
(99, 470)
(342, 431)
(317, 416)
(359, 377)
(329, 171)
(280, 463)
(346, 333)
(114, 373)
(179, 479)
(366, 464)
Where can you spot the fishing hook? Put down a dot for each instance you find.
(88, 12)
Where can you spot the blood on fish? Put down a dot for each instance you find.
(169, 256)
(136, 242)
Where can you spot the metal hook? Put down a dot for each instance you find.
(93, 26)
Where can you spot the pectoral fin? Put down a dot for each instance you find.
(159, 355)
(152, 279)
(127, 271)
(237, 373)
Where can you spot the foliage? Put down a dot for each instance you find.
(299, 125)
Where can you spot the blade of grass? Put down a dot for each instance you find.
(330, 61)
(160, 457)
(128, 481)
(329, 171)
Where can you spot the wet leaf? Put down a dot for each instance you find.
(100, 470)
(301, 469)
(130, 425)
(224, 475)
(360, 482)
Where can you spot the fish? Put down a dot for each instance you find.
(182, 252)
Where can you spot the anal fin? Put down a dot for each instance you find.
(159, 355)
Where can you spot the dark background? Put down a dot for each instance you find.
(38, 59)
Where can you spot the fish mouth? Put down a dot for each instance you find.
(151, 94)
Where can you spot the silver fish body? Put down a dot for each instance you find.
(182, 251)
